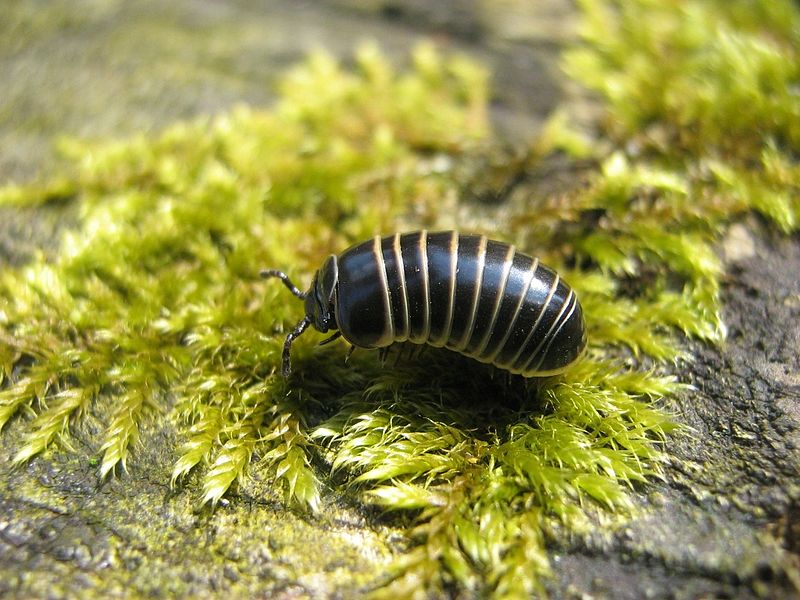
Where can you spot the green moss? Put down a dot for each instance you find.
(706, 91)
(243, 552)
(154, 297)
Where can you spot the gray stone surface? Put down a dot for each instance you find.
(726, 521)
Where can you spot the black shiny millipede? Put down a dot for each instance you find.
(473, 295)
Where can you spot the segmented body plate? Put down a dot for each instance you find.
(476, 296)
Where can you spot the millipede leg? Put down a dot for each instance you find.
(286, 369)
(382, 354)
(349, 354)
(266, 273)
(328, 340)
(399, 354)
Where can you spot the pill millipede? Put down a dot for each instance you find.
(479, 297)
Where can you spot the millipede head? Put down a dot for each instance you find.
(319, 300)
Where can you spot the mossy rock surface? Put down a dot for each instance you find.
(721, 520)
(725, 520)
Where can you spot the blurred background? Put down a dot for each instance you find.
(110, 68)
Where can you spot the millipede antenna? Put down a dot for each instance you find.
(267, 273)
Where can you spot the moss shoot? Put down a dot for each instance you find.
(153, 297)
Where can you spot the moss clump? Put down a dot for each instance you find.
(704, 96)
(156, 291)
(154, 298)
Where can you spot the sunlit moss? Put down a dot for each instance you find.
(154, 297)
(704, 90)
